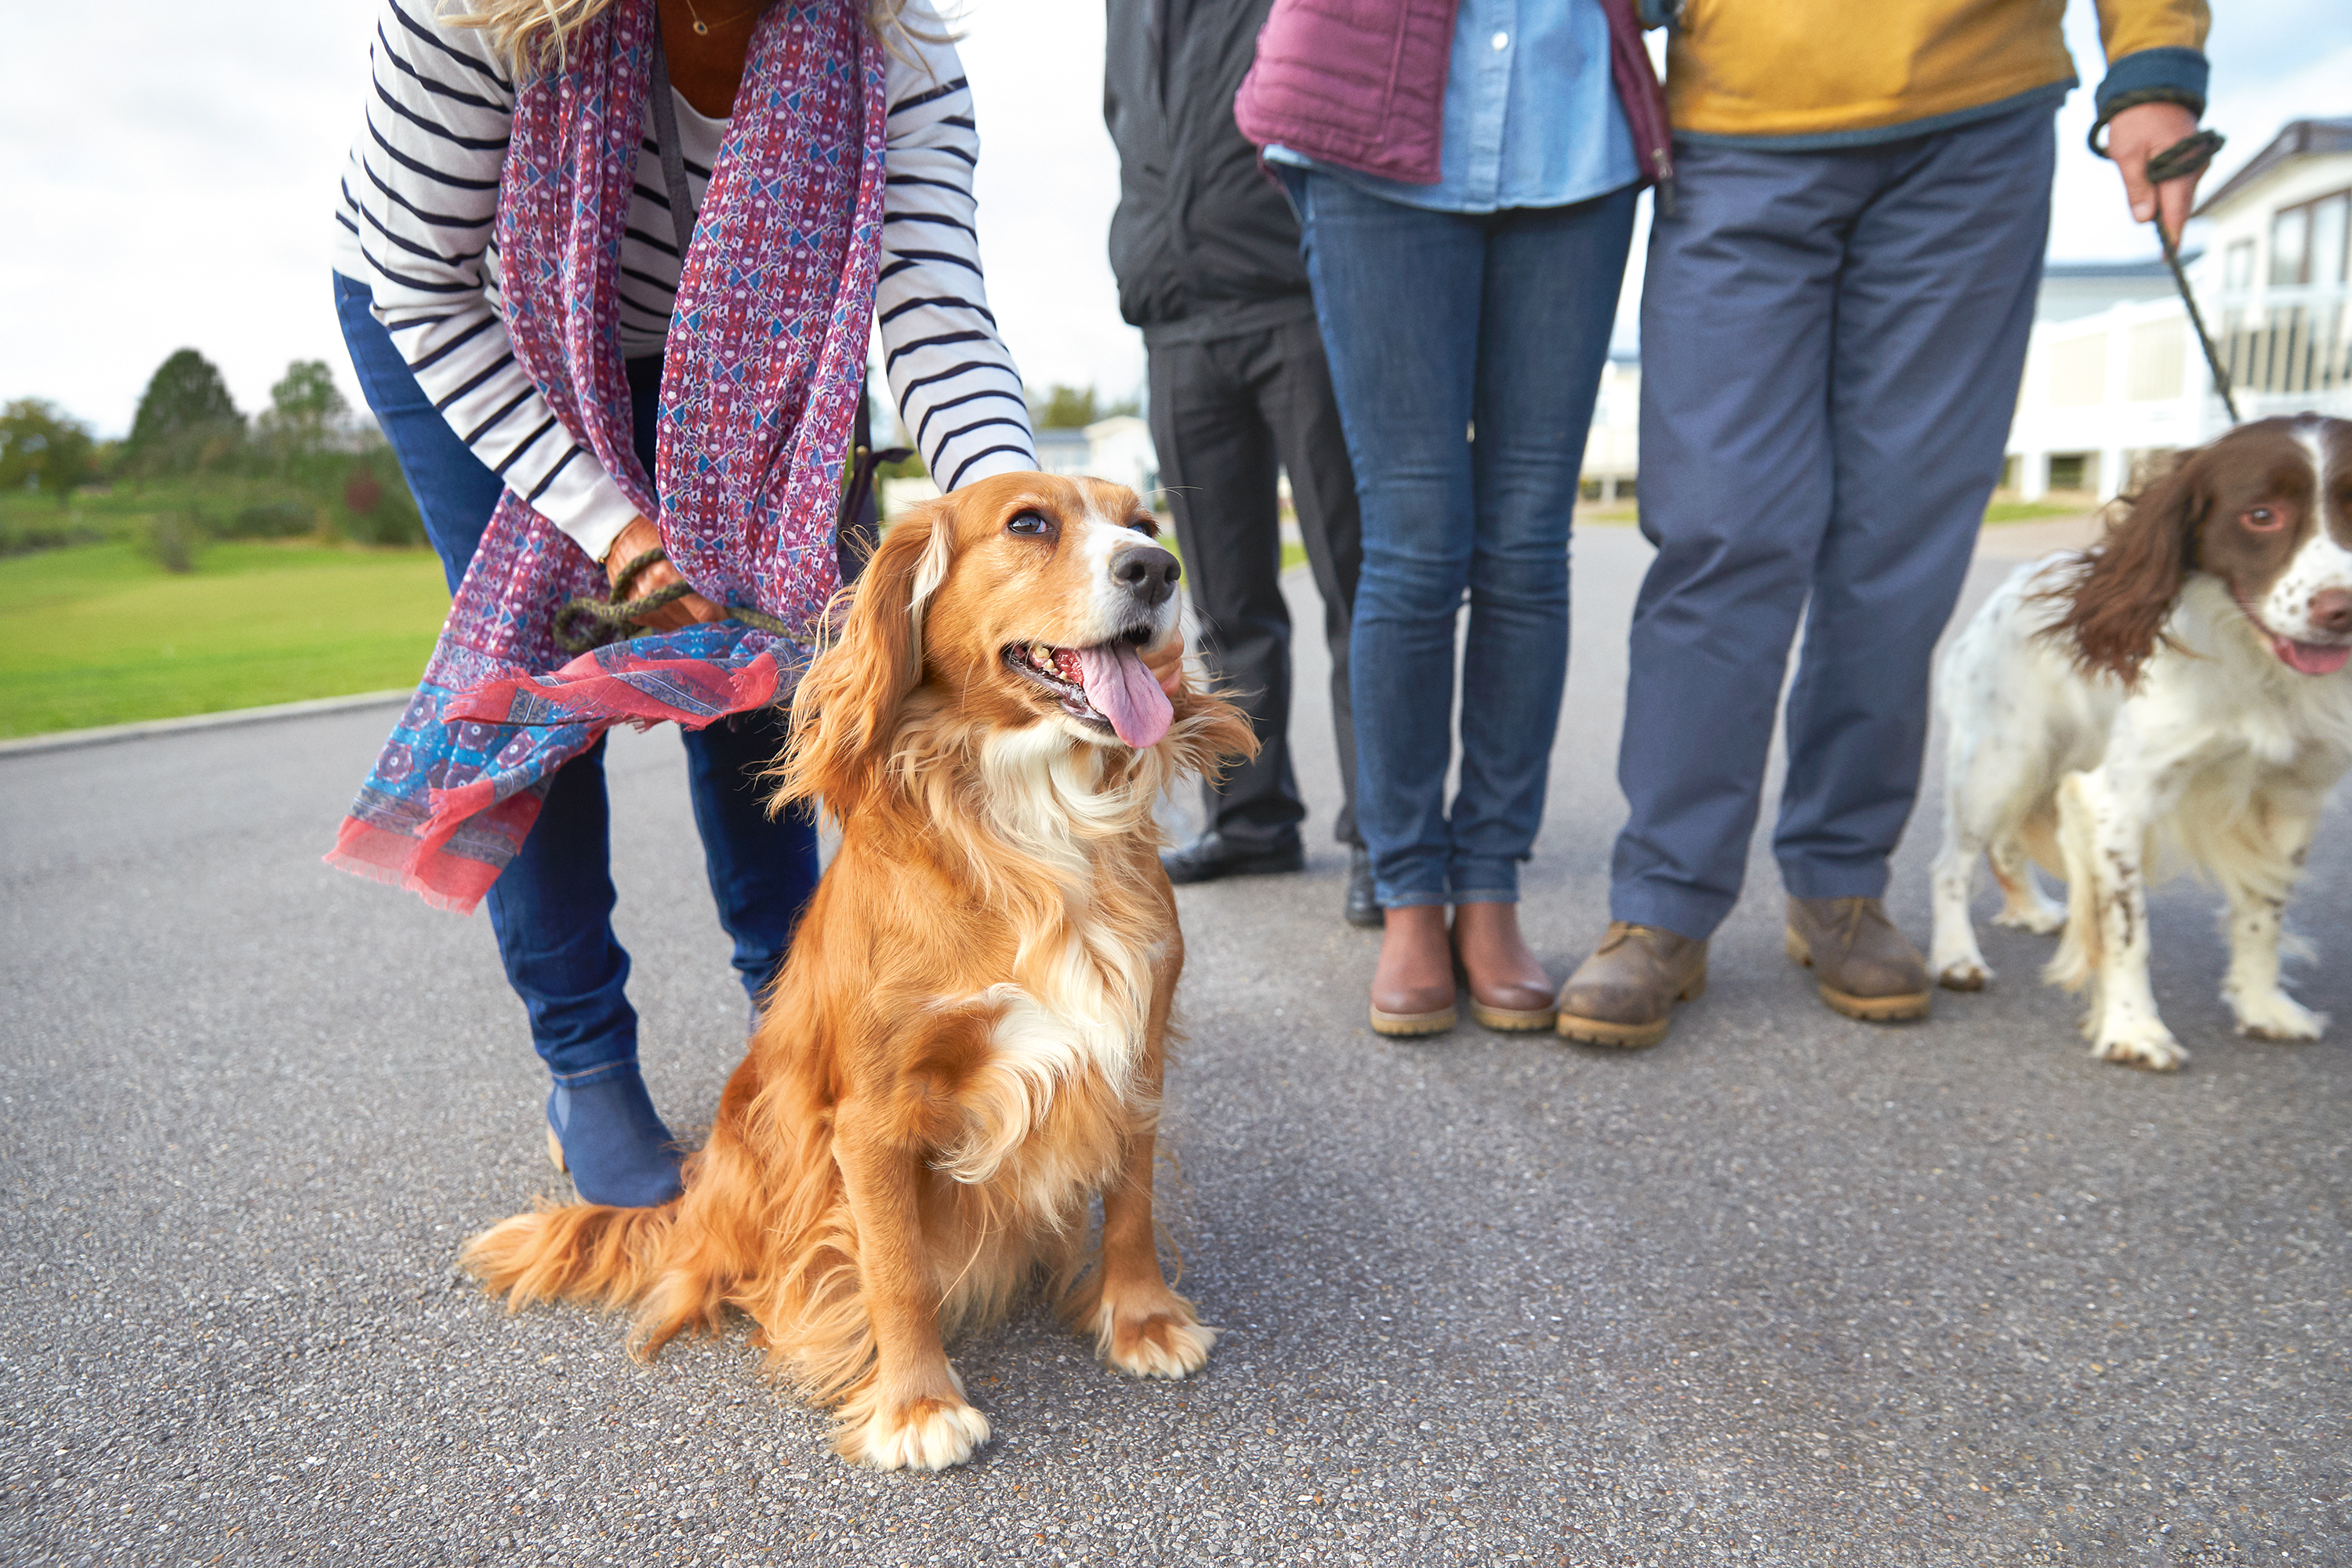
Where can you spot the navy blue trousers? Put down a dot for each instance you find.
(1831, 348)
(553, 906)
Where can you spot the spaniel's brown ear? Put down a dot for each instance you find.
(2117, 601)
(846, 707)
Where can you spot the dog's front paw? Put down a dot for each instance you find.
(2148, 1044)
(2277, 1017)
(1165, 1340)
(1965, 974)
(918, 1435)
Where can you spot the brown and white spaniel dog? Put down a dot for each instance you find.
(966, 1044)
(2178, 693)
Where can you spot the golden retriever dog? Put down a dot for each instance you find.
(966, 1043)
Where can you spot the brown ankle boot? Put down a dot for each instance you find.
(1866, 968)
(1623, 994)
(1412, 987)
(1509, 991)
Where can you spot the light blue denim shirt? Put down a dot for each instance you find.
(1531, 116)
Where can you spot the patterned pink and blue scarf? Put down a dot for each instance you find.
(764, 367)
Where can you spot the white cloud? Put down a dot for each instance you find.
(169, 173)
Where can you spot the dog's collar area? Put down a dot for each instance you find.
(1057, 671)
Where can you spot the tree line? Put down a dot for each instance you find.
(302, 466)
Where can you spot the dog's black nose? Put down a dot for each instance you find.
(1147, 573)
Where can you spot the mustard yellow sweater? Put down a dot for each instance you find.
(1826, 73)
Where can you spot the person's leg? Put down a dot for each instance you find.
(1552, 283)
(1292, 381)
(552, 908)
(1737, 321)
(762, 869)
(1397, 294)
(1550, 286)
(1217, 465)
(1933, 309)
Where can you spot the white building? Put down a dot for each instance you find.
(2115, 376)
(1117, 449)
(1612, 455)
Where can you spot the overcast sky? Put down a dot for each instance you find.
(167, 172)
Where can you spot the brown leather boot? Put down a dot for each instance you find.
(1509, 991)
(1412, 986)
(1866, 968)
(1623, 995)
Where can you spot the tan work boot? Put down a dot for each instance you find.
(1622, 994)
(1866, 968)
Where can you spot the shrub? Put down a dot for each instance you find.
(272, 520)
(171, 539)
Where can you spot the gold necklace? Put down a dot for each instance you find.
(702, 29)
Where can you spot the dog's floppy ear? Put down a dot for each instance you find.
(2117, 601)
(847, 704)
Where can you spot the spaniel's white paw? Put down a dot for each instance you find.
(2144, 1045)
(2276, 1016)
(1969, 972)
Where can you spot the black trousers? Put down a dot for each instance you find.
(1225, 412)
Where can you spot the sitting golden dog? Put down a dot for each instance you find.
(966, 1043)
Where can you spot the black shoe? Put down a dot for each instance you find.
(1362, 908)
(1210, 856)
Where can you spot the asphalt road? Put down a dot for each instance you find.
(1786, 1289)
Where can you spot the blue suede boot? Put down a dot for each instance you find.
(613, 1142)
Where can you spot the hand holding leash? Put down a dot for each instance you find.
(651, 577)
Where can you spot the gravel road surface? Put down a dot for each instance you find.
(1786, 1289)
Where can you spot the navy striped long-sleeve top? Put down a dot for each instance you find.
(419, 201)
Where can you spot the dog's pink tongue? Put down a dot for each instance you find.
(1124, 692)
(2310, 657)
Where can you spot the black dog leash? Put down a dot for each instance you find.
(2188, 156)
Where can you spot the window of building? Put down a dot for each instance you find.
(2290, 244)
(2307, 241)
(2327, 237)
(2074, 470)
(2238, 266)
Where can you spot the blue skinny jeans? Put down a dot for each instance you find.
(553, 906)
(1467, 351)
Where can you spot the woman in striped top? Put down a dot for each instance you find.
(417, 286)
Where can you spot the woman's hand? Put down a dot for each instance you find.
(1166, 664)
(634, 541)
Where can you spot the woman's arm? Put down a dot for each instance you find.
(424, 184)
(957, 392)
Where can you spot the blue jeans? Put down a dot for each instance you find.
(1831, 346)
(1436, 323)
(553, 906)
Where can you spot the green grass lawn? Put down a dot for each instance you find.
(2001, 511)
(102, 635)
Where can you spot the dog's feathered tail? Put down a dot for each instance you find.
(577, 1252)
